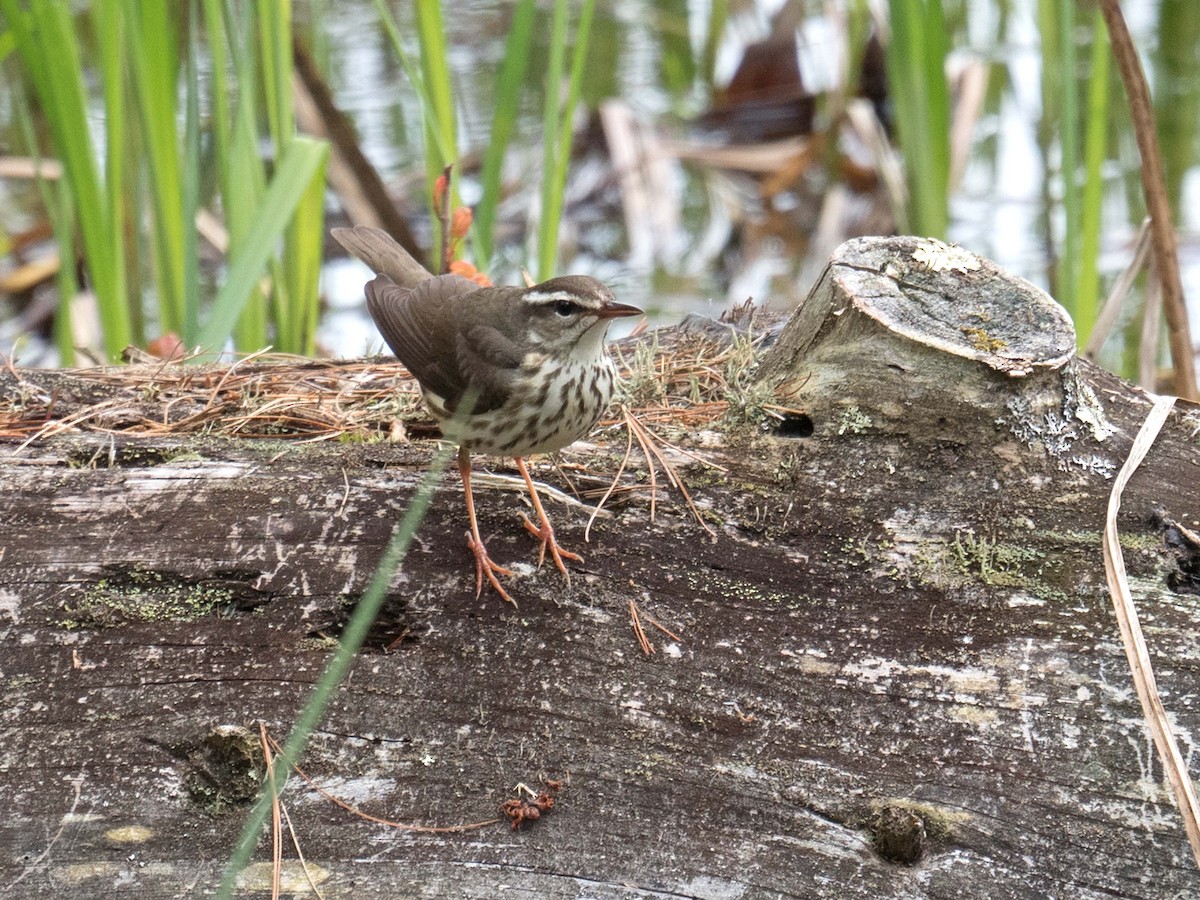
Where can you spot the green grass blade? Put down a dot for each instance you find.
(108, 16)
(190, 187)
(154, 63)
(57, 201)
(1087, 293)
(410, 68)
(1069, 129)
(294, 174)
(435, 70)
(246, 182)
(916, 69)
(559, 121)
(295, 274)
(676, 60)
(504, 124)
(304, 256)
(439, 146)
(441, 140)
(214, 41)
(339, 664)
(547, 242)
(62, 217)
(49, 48)
(717, 18)
(1177, 95)
(275, 55)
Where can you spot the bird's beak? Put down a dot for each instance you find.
(616, 311)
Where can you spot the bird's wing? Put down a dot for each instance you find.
(428, 329)
(419, 325)
(490, 359)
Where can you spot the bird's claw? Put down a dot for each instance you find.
(546, 535)
(485, 566)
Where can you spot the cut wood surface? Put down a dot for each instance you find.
(895, 672)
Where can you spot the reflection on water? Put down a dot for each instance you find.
(719, 242)
(648, 55)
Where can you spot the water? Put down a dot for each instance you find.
(731, 247)
(722, 244)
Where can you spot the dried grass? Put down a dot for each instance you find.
(683, 383)
(264, 396)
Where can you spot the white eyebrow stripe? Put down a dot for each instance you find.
(539, 298)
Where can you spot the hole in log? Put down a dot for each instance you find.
(223, 769)
(794, 425)
(393, 626)
(1184, 544)
(899, 835)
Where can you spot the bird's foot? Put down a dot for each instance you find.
(546, 535)
(485, 566)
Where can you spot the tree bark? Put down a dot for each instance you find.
(894, 673)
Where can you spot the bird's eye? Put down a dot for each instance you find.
(566, 308)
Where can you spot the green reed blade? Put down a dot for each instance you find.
(509, 81)
(1095, 146)
(440, 142)
(294, 174)
(57, 201)
(351, 640)
(558, 124)
(303, 257)
(190, 186)
(1177, 94)
(45, 37)
(916, 69)
(152, 49)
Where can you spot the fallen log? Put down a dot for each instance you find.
(894, 672)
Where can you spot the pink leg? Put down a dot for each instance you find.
(483, 562)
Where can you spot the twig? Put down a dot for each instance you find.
(447, 254)
(664, 629)
(695, 457)
(1133, 639)
(1116, 297)
(300, 855)
(643, 641)
(649, 442)
(513, 483)
(345, 495)
(402, 826)
(612, 485)
(229, 373)
(276, 831)
(277, 395)
(631, 424)
(1154, 187)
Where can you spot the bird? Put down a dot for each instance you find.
(505, 371)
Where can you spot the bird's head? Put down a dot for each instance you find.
(570, 315)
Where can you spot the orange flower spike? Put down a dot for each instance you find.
(439, 191)
(168, 346)
(461, 222)
(468, 271)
